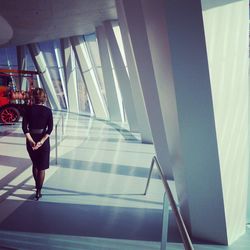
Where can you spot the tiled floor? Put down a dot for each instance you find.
(92, 199)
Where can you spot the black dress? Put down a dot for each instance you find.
(38, 121)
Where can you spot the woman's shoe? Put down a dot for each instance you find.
(38, 195)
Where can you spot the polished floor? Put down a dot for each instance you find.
(93, 192)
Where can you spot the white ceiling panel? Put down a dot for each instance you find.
(35, 21)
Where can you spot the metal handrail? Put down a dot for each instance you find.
(56, 135)
(180, 223)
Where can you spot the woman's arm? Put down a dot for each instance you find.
(26, 130)
(30, 139)
(49, 130)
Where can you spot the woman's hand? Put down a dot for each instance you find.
(40, 143)
(30, 140)
(37, 145)
(32, 143)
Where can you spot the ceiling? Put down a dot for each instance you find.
(35, 21)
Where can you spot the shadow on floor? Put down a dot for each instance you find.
(85, 220)
(102, 167)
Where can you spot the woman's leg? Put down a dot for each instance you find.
(40, 180)
(35, 171)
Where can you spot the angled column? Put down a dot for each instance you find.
(109, 81)
(40, 64)
(61, 71)
(138, 36)
(248, 195)
(97, 101)
(196, 166)
(141, 113)
(228, 60)
(22, 65)
(212, 120)
(70, 75)
(155, 22)
(122, 77)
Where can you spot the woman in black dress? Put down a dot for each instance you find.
(37, 126)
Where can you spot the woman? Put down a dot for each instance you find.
(37, 126)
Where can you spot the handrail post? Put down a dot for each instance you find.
(56, 136)
(165, 217)
(56, 144)
(180, 223)
(62, 126)
(149, 175)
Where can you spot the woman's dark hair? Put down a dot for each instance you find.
(39, 96)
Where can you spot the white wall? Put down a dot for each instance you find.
(199, 59)
(226, 33)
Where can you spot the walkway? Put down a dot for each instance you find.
(92, 199)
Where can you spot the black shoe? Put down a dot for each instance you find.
(38, 195)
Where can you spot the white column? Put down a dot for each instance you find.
(109, 81)
(61, 72)
(40, 64)
(197, 169)
(211, 162)
(139, 41)
(122, 77)
(141, 113)
(155, 20)
(97, 101)
(228, 60)
(70, 75)
(22, 65)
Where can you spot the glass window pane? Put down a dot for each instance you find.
(48, 50)
(8, 58)
(93, 52)
(83, 99)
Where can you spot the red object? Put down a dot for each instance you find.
(19, 72)
(12, 100)
(4, 101)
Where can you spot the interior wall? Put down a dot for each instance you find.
(157, 32)
(199, 158)
(226, 34)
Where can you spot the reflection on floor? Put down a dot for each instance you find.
(92, 199)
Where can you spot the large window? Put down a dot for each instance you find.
(53, 57)
(93, 52)
(48, 50)
(8, 58)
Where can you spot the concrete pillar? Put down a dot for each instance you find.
(21, 65)
(138, 36)
(122, 77)
(70, 75)
(58, 54)
(212, 131)
(95, 95)
(109, 81)
(40, 65)
(226, 26)
(141, 113)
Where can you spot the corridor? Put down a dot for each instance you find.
(92, 198)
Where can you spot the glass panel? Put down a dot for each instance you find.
(93, 52)
(48, 49)
(29, 62)
(8, 58)
(118, 36)
(48, 52)
(83, 99)
(54, 74)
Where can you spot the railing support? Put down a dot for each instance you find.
(165, 217)
(149, 175)
(56, 136)
(56, 143)
(180, 223)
